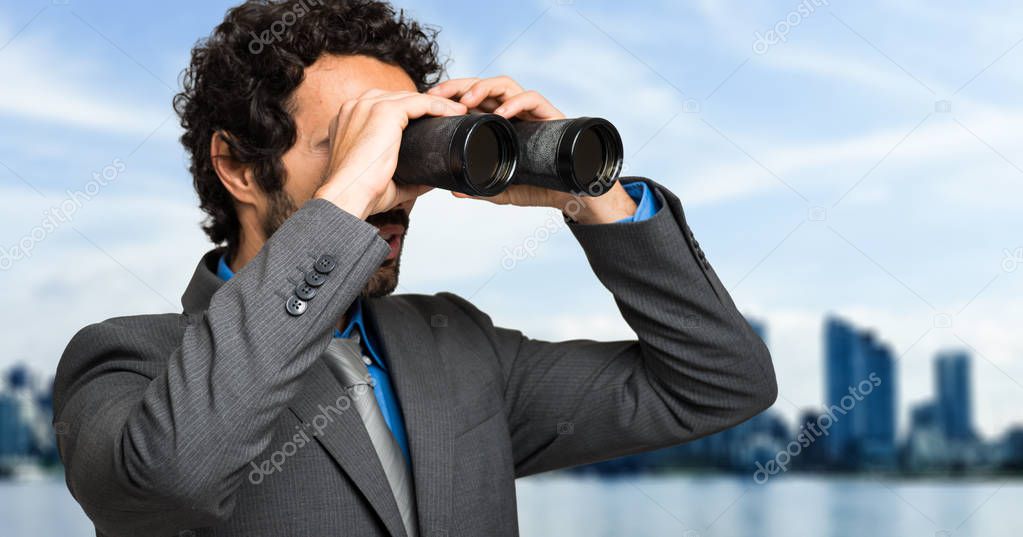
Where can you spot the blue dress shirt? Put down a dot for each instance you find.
(647, 205)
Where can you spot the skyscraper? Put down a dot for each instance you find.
(860, 388)
(952, 390)
(877, 412)
(839, 347)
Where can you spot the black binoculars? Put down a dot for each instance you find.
(482, 154)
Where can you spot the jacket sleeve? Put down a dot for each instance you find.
(697, 367)
(154, 444)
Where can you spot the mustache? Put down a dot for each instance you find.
(394, 216)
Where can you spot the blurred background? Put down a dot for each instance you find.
(852, 169)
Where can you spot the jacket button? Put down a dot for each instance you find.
(295, 306)
(702, 256)
(314, 278)
(305, 291)
(325, 264)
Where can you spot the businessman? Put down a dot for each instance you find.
(295, 395)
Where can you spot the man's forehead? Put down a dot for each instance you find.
(332, 80)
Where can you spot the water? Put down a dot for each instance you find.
(680, 506)
(688, 506)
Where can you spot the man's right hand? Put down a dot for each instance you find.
(364, 140)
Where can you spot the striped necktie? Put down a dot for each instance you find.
(344, 357)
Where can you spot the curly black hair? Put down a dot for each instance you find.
(241, 78)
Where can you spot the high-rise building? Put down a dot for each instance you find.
(860, 389)
(814, 437)
(26, 434)
(839, 347)
(953, 395)
(876, 424)
(15, 430)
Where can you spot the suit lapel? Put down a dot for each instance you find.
(420, 378)
(322, 406)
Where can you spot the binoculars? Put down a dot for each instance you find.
(482, 154)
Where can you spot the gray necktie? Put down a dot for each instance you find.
(344, 356)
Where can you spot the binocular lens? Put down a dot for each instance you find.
(474, 154)
(483, 156)
(582, 155)
(589, 159)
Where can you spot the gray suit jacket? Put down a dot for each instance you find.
(223, 420)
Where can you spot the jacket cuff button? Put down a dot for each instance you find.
(325, 264)
(305, 291)
(315, 279)
(296, 306)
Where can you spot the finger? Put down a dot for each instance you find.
(388, 96)
(488, 105)
(528, 105)
(417, 105)
(374, 96)
(406, 193)
(501, 88)
(454, 88)
(499, 199)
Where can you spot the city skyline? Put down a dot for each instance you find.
(862, 351)
(854, 427)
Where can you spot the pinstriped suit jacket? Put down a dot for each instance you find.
(224, 421)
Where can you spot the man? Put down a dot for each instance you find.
(295, 395)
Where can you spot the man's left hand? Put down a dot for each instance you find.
(503, 96)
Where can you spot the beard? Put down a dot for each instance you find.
(385, 280)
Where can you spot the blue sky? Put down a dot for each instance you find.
(820, 175)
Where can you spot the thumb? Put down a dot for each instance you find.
(500, 199)
(405, 193)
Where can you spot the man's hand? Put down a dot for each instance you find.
(364, 141)
(505, 97)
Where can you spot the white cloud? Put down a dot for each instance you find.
(939, 140)
(47, 82)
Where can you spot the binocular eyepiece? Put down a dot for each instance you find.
(482, 154)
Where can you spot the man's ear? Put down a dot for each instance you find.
(237, 177)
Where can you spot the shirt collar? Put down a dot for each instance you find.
(224, 272)
(355, 318)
